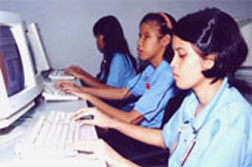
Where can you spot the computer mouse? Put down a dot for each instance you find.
(86, 117)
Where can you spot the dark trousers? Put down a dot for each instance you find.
(138, 152)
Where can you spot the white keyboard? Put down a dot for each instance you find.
(60, 75)
(50, 137)
(50, 93)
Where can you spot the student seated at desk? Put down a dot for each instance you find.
(213, 126)
(154, 85)
(118, 65)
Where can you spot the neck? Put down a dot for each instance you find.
(205, 93)
(156, 60)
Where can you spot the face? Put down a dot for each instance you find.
(149, 45)
(187, 65)
(100, 43)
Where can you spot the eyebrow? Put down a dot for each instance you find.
(178, 48)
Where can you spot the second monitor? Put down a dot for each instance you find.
(40, 54)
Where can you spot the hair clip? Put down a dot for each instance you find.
(167, 20)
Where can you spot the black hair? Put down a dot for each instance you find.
(159, 20)
(213, 31)
(114, 41)
(163, 29)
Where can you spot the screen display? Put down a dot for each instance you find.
(11, 64)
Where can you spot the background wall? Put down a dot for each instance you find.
(66, 25)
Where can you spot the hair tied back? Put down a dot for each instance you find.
(167, 20)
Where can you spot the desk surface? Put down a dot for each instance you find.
(29, 119)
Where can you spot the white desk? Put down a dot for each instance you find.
(7, 156)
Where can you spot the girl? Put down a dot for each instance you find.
(154, 85)
(213, 126)
(118, 65)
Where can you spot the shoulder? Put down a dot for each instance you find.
(119, 56)
(235, 111)
(164, 67)
(234, 101)
(148, 69)
(164, 71)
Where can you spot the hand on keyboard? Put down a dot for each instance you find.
(76, 71)
(52, 94)
(60, 75)
(93, 148)
(98, 118)
(100, 150)
(61, 83)
(69, 87)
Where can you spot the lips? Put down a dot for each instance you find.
(175, 75)
(139, 51)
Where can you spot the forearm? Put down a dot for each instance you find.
(143, 134)
(112, 111)
(91, 81)
(109, 93)
(122, 121)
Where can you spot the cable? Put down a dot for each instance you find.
(140, 117)
(121, 103)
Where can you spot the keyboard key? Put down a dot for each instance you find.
(50, 137)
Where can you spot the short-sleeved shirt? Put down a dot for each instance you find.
(222, 131)
(120, 72)
(156, 87)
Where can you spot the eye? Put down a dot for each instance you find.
(146, 36)
(181, 55)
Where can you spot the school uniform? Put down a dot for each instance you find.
(219, 136)
(121, 71)
(155, 86)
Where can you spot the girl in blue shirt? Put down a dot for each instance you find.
(155, 85)
(118, 65)
(213, 126)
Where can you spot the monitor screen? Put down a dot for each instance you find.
(11, 63)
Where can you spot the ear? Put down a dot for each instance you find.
(209, 61)
(166, 40)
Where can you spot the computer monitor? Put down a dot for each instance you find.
(40, 55)
(18, 82)
(38, 47)
(246, 30)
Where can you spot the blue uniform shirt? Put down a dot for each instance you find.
(219, 136)
(121, 71)
(155, 86)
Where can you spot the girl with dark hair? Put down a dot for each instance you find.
(154, 86)
(118, 65)
(213, 126)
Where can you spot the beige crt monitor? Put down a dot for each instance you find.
(40, 55)
(38, 48)
(18, 83)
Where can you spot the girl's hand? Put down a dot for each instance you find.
(99, 119)
(61, 83)
(98, 149)
(75, 71)
(91, 148)
(71, 88)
